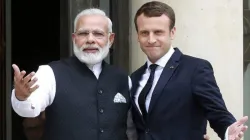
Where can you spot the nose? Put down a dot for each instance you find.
(151, 39)
(90, 38)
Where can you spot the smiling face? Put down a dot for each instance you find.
(154, 35)
(92, 39)
(155, 25)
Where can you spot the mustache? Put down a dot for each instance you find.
(90, 47)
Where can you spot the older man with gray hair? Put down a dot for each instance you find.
(83, 96)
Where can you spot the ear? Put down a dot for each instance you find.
(111, 38)
(138, 37)
(73, 37)
(172, 33)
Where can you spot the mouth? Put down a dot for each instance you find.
(151, 47)
(90, 50)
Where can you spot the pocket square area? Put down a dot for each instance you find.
(119, 98)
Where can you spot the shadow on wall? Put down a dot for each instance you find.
(246, 28)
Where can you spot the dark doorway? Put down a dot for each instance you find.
(2, 72)
(35, 41)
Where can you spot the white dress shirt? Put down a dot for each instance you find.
(161, 64)
(45, 94)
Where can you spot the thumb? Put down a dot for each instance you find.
(16, 69)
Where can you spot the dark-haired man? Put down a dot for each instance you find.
(175, 94)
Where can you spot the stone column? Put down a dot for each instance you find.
(212, 30)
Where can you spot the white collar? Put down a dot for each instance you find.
(95, 67)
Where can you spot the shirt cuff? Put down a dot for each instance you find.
(226, 135)
(24, 108)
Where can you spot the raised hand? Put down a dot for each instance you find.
(23, 85)
(237, 129)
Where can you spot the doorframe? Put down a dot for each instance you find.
(2, 71)
(8, 69)
(65, 35)
(119, 14)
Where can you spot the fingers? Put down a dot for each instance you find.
(33, 88)
(28, 77)
(20, 76)
(31, 83)
(28, 85)
(241, 134)
(242, 121)
(243, 129)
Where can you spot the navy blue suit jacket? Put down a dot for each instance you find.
(185, 97)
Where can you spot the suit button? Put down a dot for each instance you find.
(147, 131)
(100, 91)
(101, 110)
(101, 130)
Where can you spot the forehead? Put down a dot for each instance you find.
(153, 23)
(92, 22)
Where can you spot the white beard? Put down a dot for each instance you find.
(91, 58)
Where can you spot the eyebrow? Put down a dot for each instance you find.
(145, 31)
(85, 29)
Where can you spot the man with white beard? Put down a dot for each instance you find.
(83, 96)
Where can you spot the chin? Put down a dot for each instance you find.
(91, 58)
(154, 58)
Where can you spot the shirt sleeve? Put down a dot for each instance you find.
(129, 83)
(40, 98)
(226, 135)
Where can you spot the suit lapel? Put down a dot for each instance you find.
(105, 67)
(136, 77)
(166, 75)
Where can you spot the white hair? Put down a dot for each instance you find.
(93, 11)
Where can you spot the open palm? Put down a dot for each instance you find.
(237, 129)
